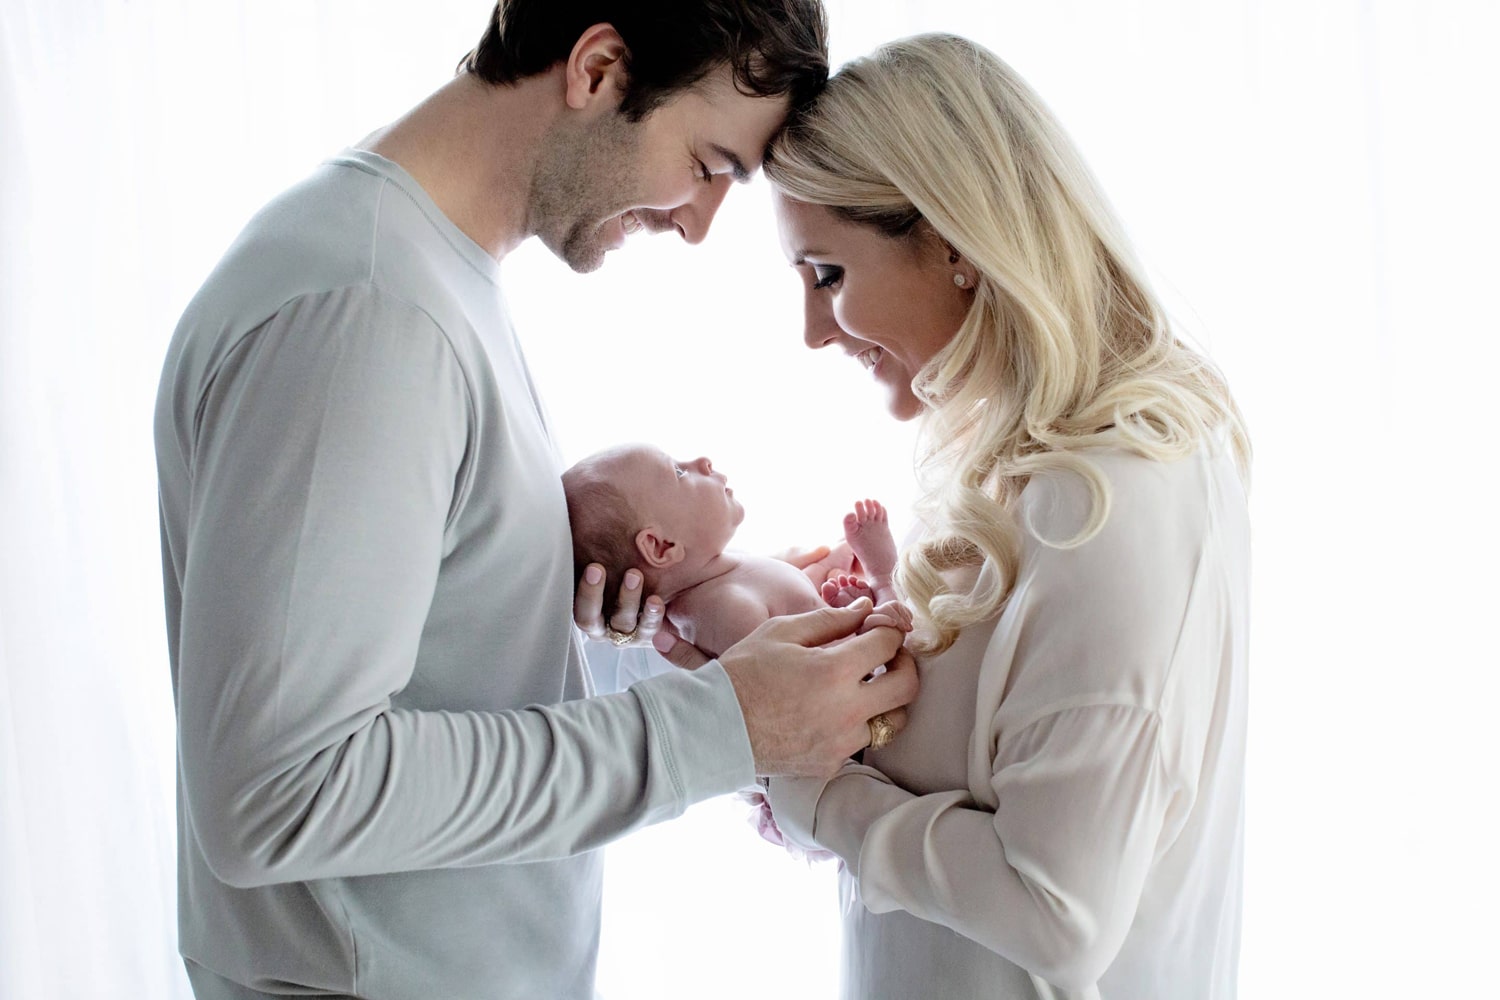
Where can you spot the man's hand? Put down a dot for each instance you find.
(800, 681)
(627, 619)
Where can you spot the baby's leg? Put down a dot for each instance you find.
(869, 534)
(843, 590)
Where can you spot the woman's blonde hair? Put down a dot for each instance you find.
(1065, 346)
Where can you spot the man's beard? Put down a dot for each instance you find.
(582, 182)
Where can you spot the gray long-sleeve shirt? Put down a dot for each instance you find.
(368, 581)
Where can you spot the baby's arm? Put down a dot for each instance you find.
(714, 616)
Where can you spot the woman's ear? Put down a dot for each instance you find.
(595, 68)
(965, 274)
(657, 549)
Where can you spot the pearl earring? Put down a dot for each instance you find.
(960, 280)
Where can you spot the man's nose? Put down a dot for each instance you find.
(693, 219)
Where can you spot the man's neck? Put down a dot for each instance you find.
(473, 148)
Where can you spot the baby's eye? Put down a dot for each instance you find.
(826, 276)
(679, 470)
(705, 174)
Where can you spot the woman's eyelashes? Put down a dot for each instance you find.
(826, 276)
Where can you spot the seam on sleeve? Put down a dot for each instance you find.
(338, 889)
(375, 229)
(1058, 708)
(658, 725)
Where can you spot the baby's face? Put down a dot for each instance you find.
(690, 501)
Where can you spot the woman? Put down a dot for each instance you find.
(1062, 815)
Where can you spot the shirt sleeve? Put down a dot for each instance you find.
(1086, 786)
(327, 462)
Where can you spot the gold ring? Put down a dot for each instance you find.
(882, 731)
(617, 637)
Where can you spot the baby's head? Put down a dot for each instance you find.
(636, 506)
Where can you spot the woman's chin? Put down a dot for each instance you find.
(902, 405)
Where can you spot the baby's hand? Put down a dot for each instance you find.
(891, 614)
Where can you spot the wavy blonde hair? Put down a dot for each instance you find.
(1064, 348)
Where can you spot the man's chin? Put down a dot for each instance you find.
(581, 255)
(582, 258)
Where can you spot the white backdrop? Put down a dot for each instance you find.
(1313, 183)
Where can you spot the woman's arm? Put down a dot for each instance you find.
(1105, 668)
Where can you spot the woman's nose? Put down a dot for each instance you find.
(819, 328)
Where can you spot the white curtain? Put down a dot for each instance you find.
(1311, 180)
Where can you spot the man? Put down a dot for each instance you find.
(391, 783)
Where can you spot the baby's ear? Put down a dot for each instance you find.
(658, 550)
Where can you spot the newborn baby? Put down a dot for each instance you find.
(635, 506)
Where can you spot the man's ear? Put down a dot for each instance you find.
(657, 549)
(595, 68)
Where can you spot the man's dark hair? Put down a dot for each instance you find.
(774, 47)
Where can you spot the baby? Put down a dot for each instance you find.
(635, 506)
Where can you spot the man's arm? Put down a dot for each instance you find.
(327, 460)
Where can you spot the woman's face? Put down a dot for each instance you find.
(891, 303)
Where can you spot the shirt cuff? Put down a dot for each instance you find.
(794, 804)
(696, 722)
(834, 814)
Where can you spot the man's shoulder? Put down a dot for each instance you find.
(314, 236)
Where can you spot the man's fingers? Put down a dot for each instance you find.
(588, 602)
(896, 686)
(628, 610)
(822, 625)
(651, 619)
(678, 652)
(897, 717)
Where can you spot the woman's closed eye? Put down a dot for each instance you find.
(678, 470)
(826, 276)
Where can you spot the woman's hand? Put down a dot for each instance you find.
(823, 562)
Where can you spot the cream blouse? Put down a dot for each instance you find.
(1063, 816)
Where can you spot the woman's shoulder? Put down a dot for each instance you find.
(1142, 497)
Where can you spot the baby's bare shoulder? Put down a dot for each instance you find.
(785, 589)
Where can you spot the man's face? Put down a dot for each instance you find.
(606, 178)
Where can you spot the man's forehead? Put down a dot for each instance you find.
(738, 126)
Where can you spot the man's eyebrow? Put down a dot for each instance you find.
(736, 165)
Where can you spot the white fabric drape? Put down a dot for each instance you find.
(1311, 179)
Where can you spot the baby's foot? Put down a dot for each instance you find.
(842, 590)
(869, 535)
